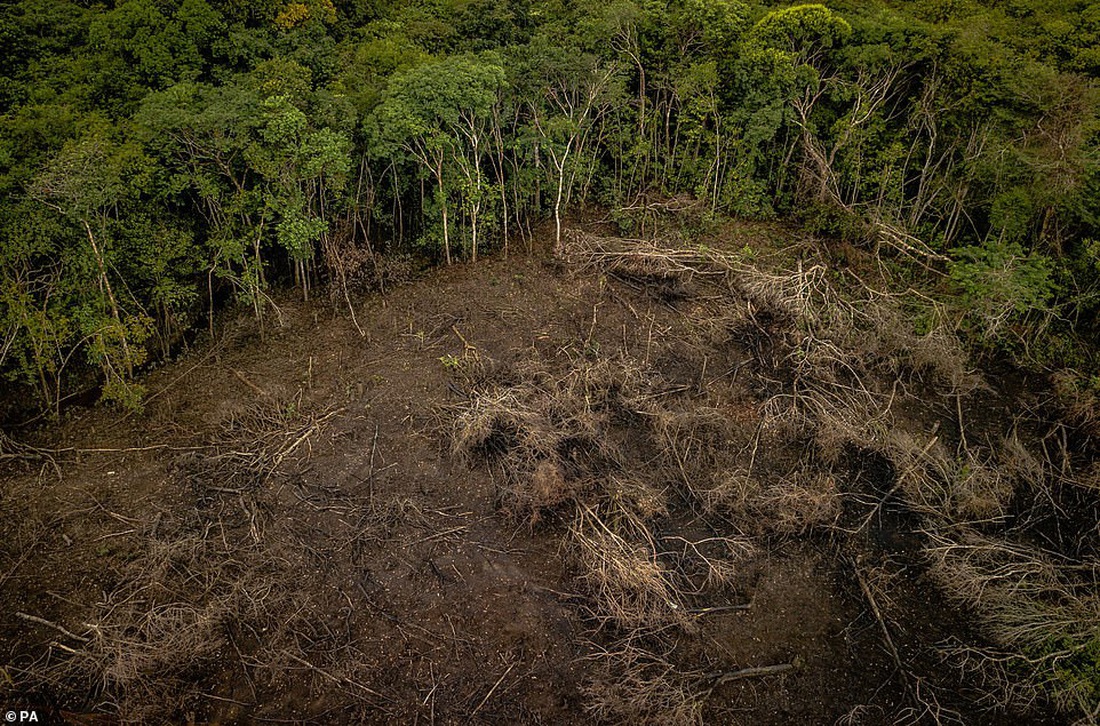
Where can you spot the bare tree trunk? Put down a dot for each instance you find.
(443, 210)
(105, 282)
(557, 202)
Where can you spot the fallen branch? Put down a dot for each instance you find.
(754, 672)
(493, 689)
(51, 624)
(240, 376)
(336, 679)
(719, 609)
(869, 596)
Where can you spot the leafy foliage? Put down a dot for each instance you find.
(211, 149)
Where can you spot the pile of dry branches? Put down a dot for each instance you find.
(553, 438)
(252, 444)
(671, 269)
(147, 646)
(1041, 612)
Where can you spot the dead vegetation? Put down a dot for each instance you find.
(629, 584)
(220, 592)
(613, 448)
(635, 685)
(167, 622)
(986, 551)
(615, 452)
(1041, 611)
(252, 444)
(1080, 400)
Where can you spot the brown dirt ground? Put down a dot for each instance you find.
(379, 579)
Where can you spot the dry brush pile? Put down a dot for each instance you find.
(628, 460)
(220, 607)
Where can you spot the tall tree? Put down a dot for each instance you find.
(437, 114)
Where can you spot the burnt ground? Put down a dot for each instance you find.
(285, 535)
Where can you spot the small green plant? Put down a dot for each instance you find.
(451, 362)
(127, 395)
(1001, 286)
(1076, 680)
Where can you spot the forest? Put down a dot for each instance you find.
(880, 219)
(163, 160)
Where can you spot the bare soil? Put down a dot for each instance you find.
(285, 536)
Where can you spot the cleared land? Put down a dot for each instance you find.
(653, 481)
